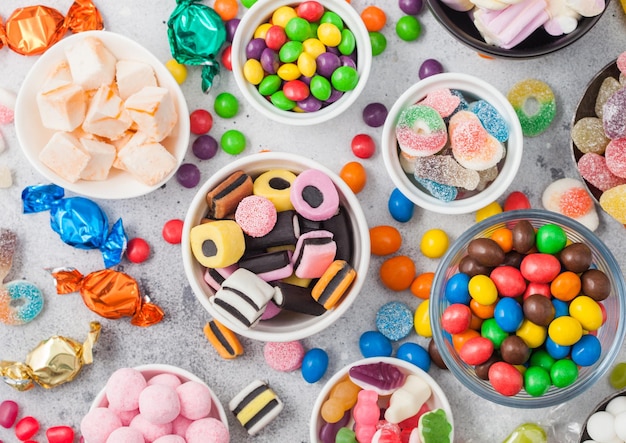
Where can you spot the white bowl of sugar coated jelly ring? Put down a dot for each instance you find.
(610, 334)
(259, 14)
(288, 325)
(33, 136)
(473, 89)
(437, 399)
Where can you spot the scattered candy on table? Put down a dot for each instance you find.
(533, 123)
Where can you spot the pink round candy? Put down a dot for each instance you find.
(284, 356)
(170, 439)
(165, 378)
(159, 404)
(540, 268)
(505, 378)
(456, 318)
(476, 350)
(207, 429)
(125, 416)
(150, 431)
(508, 280)
(125, 435)
(98, 424)
(615, 155)
(180, 425)
(123, 389)
(256, 215)
(195, 400)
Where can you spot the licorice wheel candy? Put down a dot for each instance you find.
(217, 244)
(256, 406)
(223, 340)
(224, 198)
(333, 284)
(314, 195)
(275, 185)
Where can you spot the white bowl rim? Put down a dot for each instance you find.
(261, 332)
(262, 9)
(477, 87)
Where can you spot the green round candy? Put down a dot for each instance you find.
(492, 331)
(248, 3)
(344, 78)
(332, 17)
(536, 381)
(617, 378)
(408, 28)
(550, 238)
(378, 41)
(347, 43)
(298, 29)
(345, 435)
(226, 105)
(314, 27)
(542, 358)
(233, 142)
(320, 87)
(279, 100)
(270, 84)
(290, 51)
(563, 373)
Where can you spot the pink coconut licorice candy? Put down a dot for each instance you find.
(314, 195)
(98, 424)
(408, 399)
(123, 389)
(256, 215)
(195, 400)
(284, 356)
(421, 131)
(315, 251)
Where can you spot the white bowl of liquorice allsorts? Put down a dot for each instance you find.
(275, 246)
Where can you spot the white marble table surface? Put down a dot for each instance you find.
(178, 339)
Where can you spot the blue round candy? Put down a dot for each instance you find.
(314, 365)
(374, 344)
(587, 350)
(414, 353)
(508, 314)
(400, 207)
(556, 351)
(394, 320)
(457, 289)
(561, 308)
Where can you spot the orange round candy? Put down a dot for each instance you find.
(504, 238)
(353, 173)
(422, 284)
(374, 18)
(482, 311)
(384, 240)
(226, 9)
(397, 273)
(566, 286)
(458, 340)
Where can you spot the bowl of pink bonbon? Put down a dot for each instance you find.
(155, 402)
(549, 306)
(275, 246)
(381, 399)
(301, 62)
(452, 143)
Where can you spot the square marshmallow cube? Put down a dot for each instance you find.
(91, 63)
(154, 111)
(65, 156)
(131, 76)
(106, 116)
(150, 162)
(101, 159)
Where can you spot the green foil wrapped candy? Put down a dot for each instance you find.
(196, 34)
(527, 433)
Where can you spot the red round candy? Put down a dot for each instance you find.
(137, 250)
(476, 351)
(456, 318)
(200, 121)
(311, 11)
(505, 378)
(537, 288)
(516, 200)
(540, 268)
(363, 146)
(8, 413)
(60, 434)
(508, 280)
(296, 90)
(275, 37)
(227, 57)
(26, 428)
(173, 231)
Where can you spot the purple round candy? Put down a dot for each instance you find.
(430, 67)
(255, 48)
(334, 96)
(333, 50)
(327, 62)
(347, 61)
(188, 175)
(270, 61)
(374, 114)
(411, 7)
(204, 147)
(310, 104)
(231, 27)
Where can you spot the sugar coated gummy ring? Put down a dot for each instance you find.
(20, 302)
(533, 123)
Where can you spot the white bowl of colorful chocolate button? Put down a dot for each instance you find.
(452, 143)
(381, 399)
(550, 298)
(150, 402)
(312, 65)
(597, 138)
(101, 116)
(275, 246)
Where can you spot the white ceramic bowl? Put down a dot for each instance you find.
(472, 88)
(33, 136)
(287, 326)
(437, 400)
(258, 14)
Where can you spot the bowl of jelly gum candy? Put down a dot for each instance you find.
(474, 91)
(383, 376)
(290, 324)
(126, 384)
(568, 348)
(460, 24)
(68, 101)
(315, 108)
(610, 408)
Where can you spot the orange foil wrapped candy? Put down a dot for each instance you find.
(53, 362)
(33, 29)
(111, 294)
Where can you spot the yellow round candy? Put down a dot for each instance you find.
(421, 320)
(329, 34)
(532, 334)
(482, 289)
(253, 71)
(489, 210)
(587, 311)
(282, 15)
(306, 64)
(613, 201)
(261, 30)
(288, 71)
(434, 243)
(565, 330)
(178, 71)
(313, 46)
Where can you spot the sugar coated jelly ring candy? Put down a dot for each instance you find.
(20, 302)
(421, 131)
(533, 123)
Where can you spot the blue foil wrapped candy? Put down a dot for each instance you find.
(80, 222)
